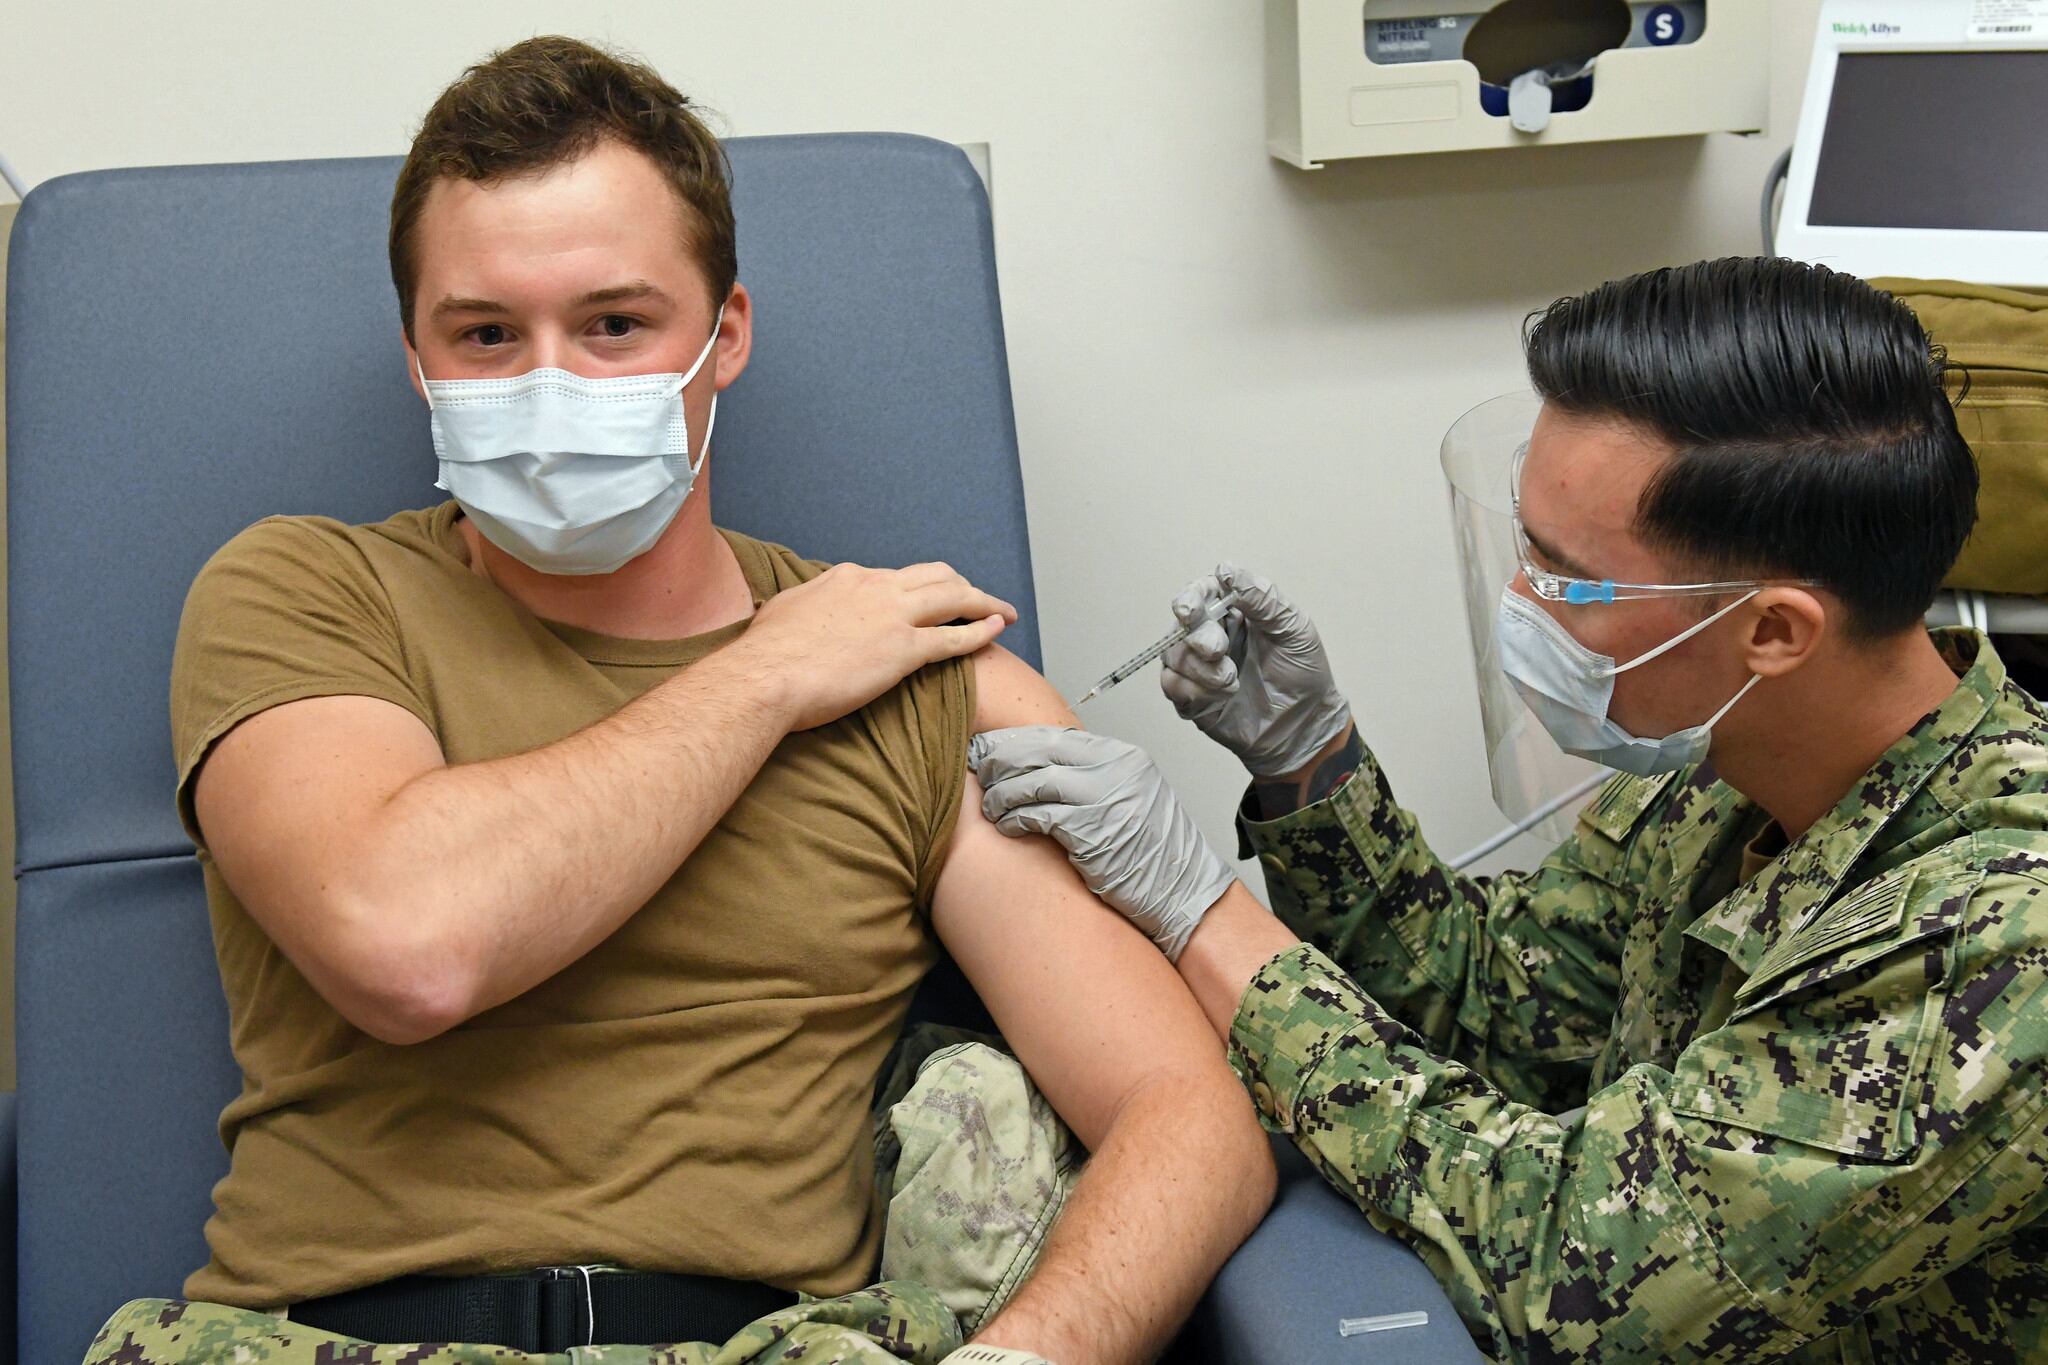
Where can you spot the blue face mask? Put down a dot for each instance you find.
(569, 475)
(1569, 688)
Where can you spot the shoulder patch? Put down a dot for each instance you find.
(1620, 805)
(1903, 906)
(1870, 909)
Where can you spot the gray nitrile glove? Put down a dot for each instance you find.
(1109, 807)
(1257, 682)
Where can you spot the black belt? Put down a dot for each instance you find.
(546, 1310)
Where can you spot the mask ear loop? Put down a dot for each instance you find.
(1679, 639)
(425, 392)
(1715, 719)
(711, 418)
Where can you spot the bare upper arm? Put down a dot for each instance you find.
(284, 801)
(1008, 691)
(1091, 1007)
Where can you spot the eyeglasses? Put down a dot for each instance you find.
(1556, 587)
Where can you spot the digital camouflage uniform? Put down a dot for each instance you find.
(972, 1166)
(1814, 1101)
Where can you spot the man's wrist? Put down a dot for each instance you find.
(1315, 781)
(769, 688)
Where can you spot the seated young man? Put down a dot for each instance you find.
(572, 862)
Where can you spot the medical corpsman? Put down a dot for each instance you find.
(1751, 1067)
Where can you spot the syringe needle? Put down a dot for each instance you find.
(1158, 647)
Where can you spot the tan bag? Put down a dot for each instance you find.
(2000, 337)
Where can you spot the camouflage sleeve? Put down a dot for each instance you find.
(1872, 1116)
(1516, 975)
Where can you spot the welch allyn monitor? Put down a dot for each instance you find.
(1921, 148)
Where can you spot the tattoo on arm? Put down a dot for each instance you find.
(1276, 797)
(1336, 767)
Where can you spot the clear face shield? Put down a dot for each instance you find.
(1541, 775)
(1535, 783)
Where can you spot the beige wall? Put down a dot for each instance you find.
(1213, 354)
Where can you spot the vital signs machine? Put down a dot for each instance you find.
(1923, 142)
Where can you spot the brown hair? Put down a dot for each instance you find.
(546, 101)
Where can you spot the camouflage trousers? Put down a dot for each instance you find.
(972, 1166)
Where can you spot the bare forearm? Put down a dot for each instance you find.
(1236, 938)
(1183, 1177)
(525, 863)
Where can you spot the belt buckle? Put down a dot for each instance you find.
(563, 1272)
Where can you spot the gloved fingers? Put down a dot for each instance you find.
(1191, 602)
(1214, 675)
(1072, 767)
(991, 743)
(1260, 602)
(1048, 819)
(1190, 699)
(997, 754)
(1210, 651)
(1036, 787)
(1209, 641)
(1236, 632)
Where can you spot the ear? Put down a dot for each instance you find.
(735, 337)
(1786, 627)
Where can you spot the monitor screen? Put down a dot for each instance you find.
(1950, 140)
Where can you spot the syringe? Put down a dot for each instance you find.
(1158, 647)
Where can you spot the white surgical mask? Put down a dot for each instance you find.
(1569, 687)
(569, 475)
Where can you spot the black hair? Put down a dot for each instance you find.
(1811, 429)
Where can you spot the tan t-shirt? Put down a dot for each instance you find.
(692, 1094)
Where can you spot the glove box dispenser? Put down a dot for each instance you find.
(1351, 78)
